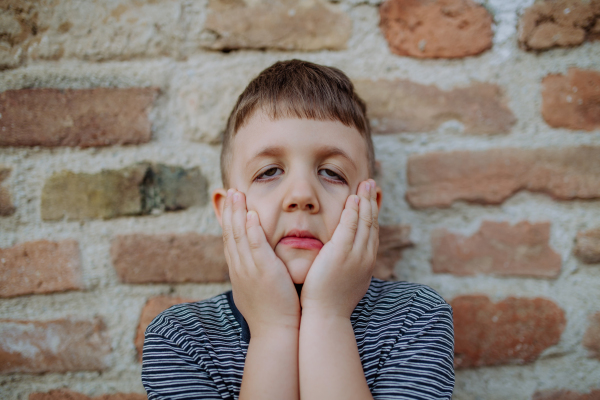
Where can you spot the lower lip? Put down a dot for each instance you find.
(301, 243)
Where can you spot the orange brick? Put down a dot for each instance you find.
(40, 267)
(513, 331)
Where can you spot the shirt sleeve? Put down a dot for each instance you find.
(168, 372)
(421, 363)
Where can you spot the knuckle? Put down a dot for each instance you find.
(367, 221)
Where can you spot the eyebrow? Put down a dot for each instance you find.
(322, 152)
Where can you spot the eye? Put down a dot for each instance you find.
(269, 173)
(331, 175)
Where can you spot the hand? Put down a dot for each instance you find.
(341, 273)
(263, 290)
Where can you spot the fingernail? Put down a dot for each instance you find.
(229, 192)
(248, 216)
(236, 196)
(356, 199)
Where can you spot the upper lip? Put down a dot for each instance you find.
(300, 234)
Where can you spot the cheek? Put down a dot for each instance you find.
(267, 214)
(334, 213)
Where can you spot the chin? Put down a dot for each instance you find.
(298, 265)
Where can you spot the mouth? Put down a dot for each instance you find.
(298, 239)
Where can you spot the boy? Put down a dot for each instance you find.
(304, 318)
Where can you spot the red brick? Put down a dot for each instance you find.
(513, 331)
(285, 25)
(169, 258)
(66, 394)
(153, 307)
(53, 346)
(75, 117)
(572, 101)
(587, 246)
(436, 28)
(497, 248)
(565, 395)
(559, 23)
(491, 176)
(404, 106)
(40, 267)
(6, 205)
(393, 239)
(591, 338)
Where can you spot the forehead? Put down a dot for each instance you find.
(295, 137)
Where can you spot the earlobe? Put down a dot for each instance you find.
(218, 202)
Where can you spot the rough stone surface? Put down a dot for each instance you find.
(587, 246)
(84, 117)
(572, 101)
(97, 31)
(591, 338)
(405, 106)
(66, 394)
(18, 22)
(565, 395)
(436, 28)
(53, 346)
(153, 307)
(393, 239)
(512, 331)
(559, 23)
(40, 267)
(169, 258)
(135, 190)
(491, 176)
(280, 24)
(6, 206)
(497, 248)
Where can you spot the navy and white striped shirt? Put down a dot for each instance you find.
(403, 331)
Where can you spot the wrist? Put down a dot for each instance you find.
(279, 331)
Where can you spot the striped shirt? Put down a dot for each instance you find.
(403, 331)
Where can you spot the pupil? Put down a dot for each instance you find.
(270, 172)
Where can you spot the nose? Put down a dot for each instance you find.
(301, 195)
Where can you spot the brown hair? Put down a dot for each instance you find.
(298, 89)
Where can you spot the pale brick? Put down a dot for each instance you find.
(436, 28)
(40, 267)
(53, 346)
(66, 394)
(153, 307)
(404, 106)
(169, 258)
(591, 338)
(134, 190)
(6, 206)
(572, 101)
(559, 23)
(69, 117)
(587, 246)
(512, 331)
(280, 24)
(393, 239)
(489, 177)
(18, 24)
(497, 248)
(565, 395)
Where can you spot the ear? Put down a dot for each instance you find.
(379, 196)
(218, 202)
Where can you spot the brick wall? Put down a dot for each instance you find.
(487, 121)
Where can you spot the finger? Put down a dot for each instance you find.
(229, 241)
(346, 230)
(373, 242)
(239, 230)
(365, 220)
(262, 253)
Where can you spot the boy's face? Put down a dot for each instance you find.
(296, 174)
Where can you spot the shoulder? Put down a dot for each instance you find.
(210, 316)
(386, 294)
